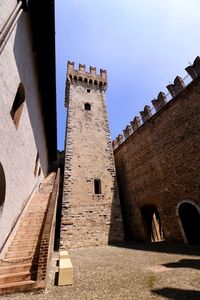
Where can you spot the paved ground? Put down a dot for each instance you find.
(134, 271)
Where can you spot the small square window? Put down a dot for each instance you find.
(87, 106)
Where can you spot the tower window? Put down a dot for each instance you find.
(87, 106)
(97, 186)
(17, 106)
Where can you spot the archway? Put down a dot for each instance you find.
(190, 220)
(2, 188)
(152, 223)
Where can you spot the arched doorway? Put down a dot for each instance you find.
(2, 188)
(151, 222)
(190, 220)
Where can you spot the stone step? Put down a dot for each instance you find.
(20, 247)
(17, 277)
(26, 242)
(19, 260)
(28, 231)
(38, 205)
(20, 241)
(34, 216)
(18, 268)
(39, 200)
(29, 228)
(21, 253)
(37, 211)
(30, 222)
(17, 287)
(29, 236)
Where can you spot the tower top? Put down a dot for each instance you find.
(90, 77)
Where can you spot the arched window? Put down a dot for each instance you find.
(2, 188)
(18, 104)
(189, 214)
(87, 106)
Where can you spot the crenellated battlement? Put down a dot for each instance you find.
(84, 77)
(174, 89)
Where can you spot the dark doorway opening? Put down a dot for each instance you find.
(190, 220)
(152, 224)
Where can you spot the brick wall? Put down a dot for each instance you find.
(159, 164)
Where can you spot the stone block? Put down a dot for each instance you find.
(64, 254)
(65, 276)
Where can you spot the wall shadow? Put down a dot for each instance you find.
(26, 66)
(116, 230)
(177, 294)
(60, 164)
(185, 263)
(163, 247)
(36, 70)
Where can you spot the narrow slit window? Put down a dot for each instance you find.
(87, 106)
(97, 186)
(17, 106)
(36, 164)
(2, 189)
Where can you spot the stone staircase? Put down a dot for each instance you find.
(18, 268)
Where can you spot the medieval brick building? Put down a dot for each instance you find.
(158, 162)
(91, 213)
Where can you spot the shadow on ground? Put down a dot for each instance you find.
(177, 294)
(185, 263)
(163, 247)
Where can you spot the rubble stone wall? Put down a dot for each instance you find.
(159, 164)
(88, 218)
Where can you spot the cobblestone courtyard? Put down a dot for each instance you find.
(133, 271)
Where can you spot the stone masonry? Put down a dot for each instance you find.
(89, 216)
(158, 162)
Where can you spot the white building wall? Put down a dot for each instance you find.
(19, 147)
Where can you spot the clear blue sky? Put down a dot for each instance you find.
(143, 45)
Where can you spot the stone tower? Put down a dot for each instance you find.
(91, 213)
